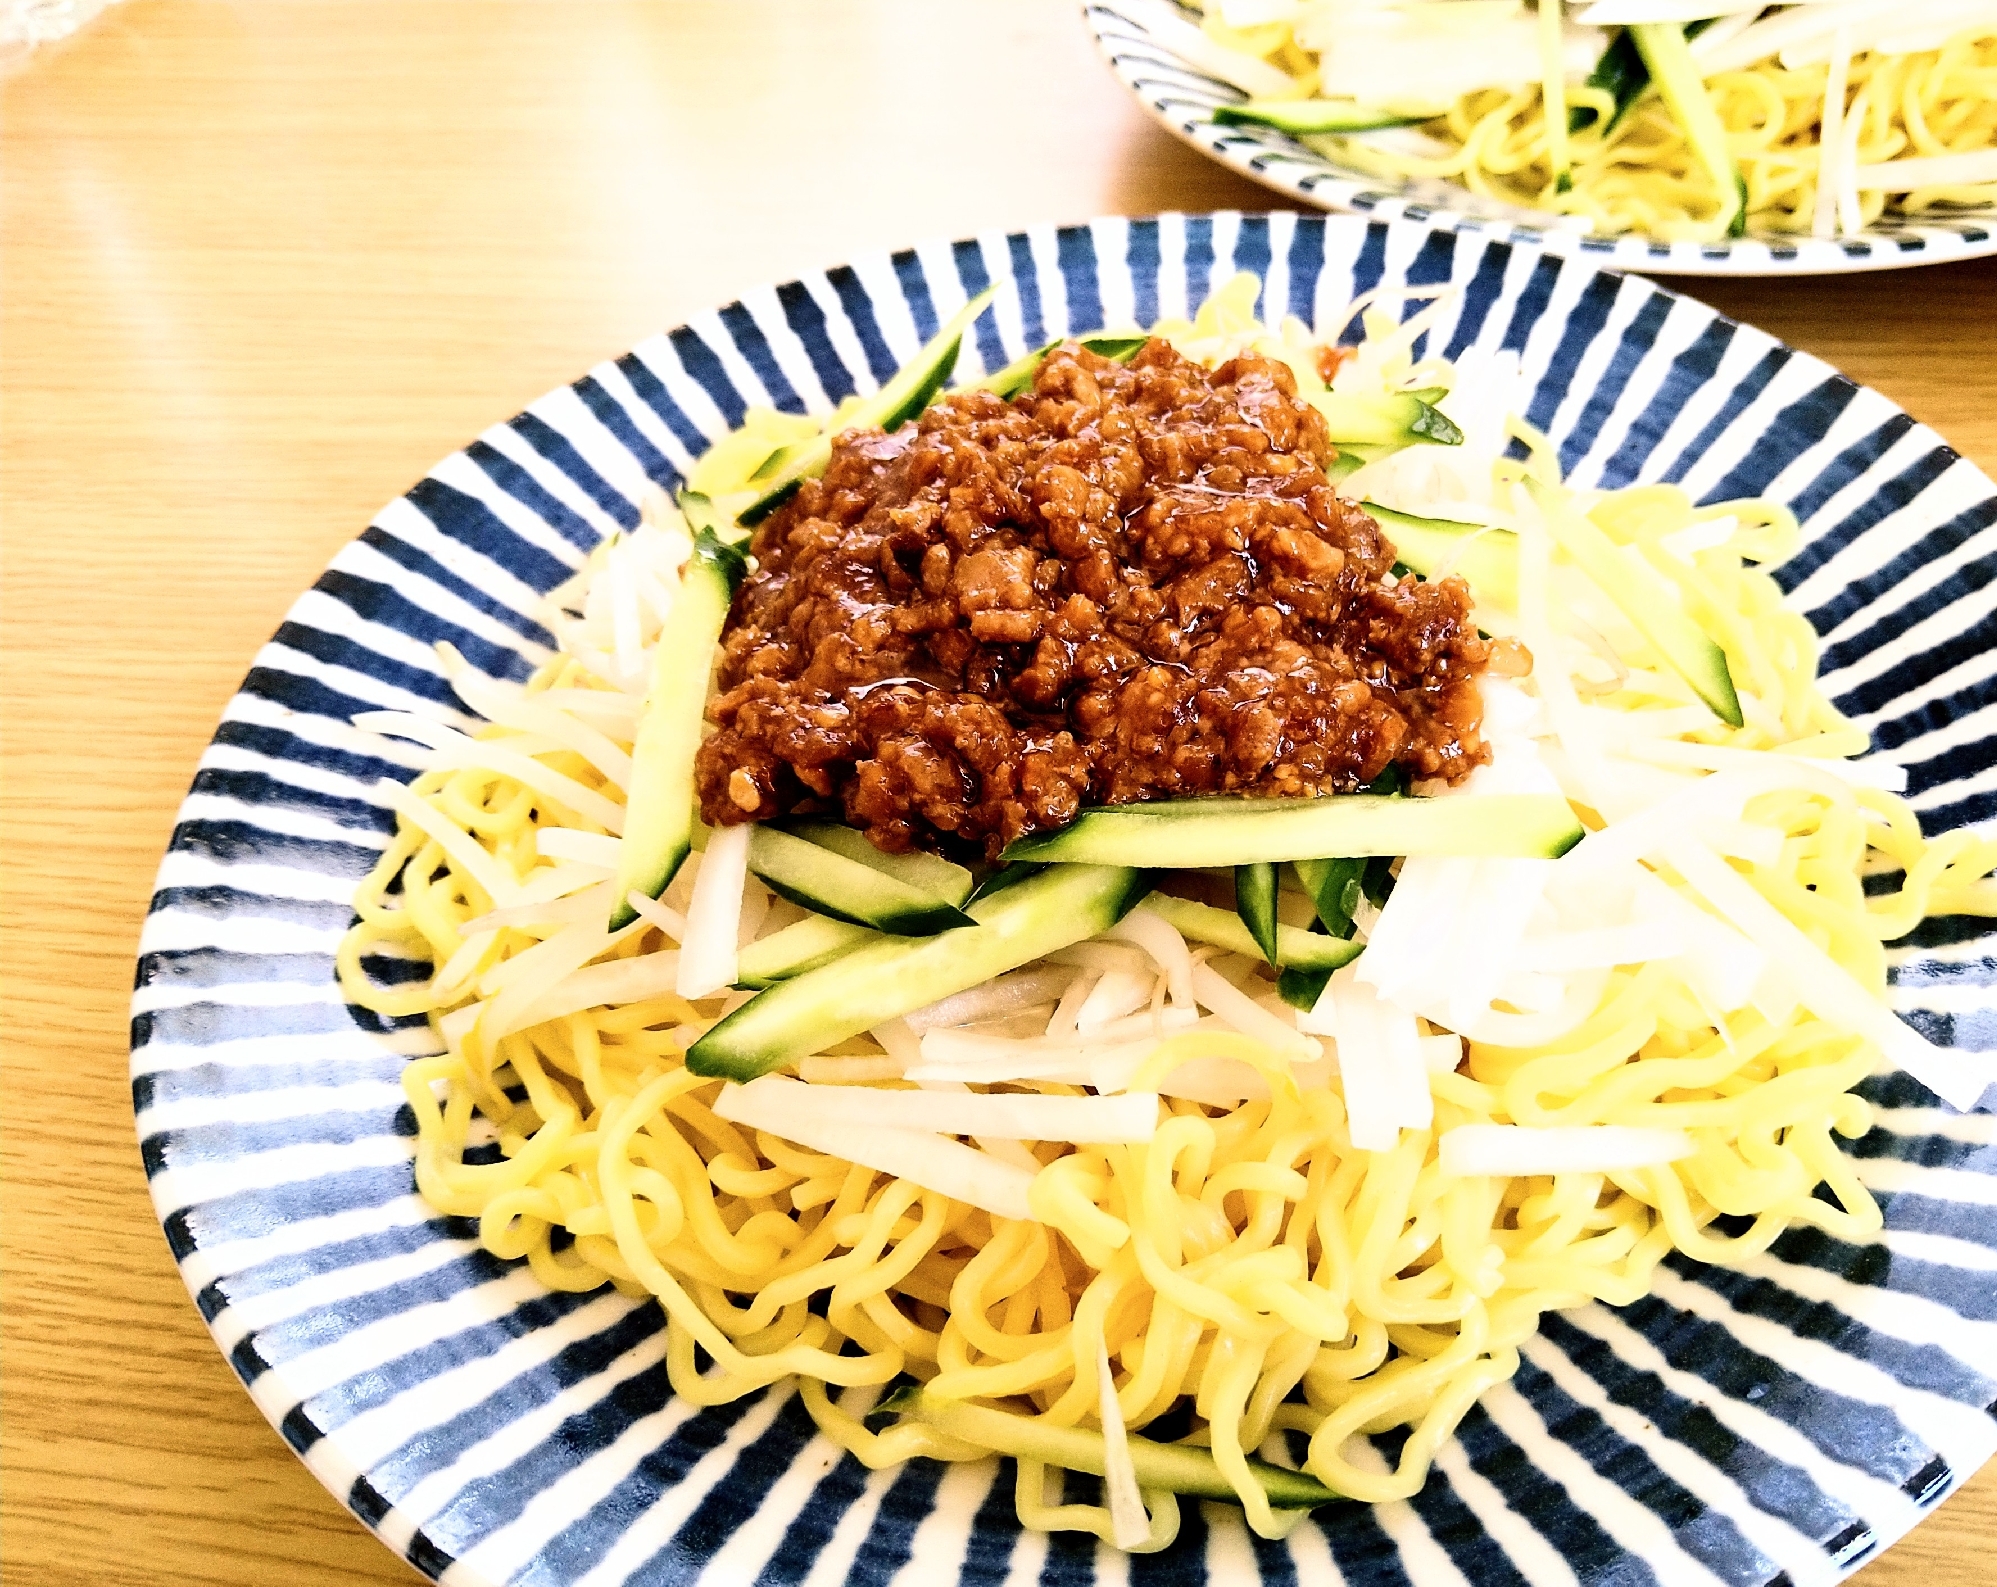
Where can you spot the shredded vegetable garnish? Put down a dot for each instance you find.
(1148, 1205)
(1826, 116)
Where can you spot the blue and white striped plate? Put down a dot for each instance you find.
(1777, 1425)
(1183, 98)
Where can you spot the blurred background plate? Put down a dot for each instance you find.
(1183, 99)
(1777, 1424)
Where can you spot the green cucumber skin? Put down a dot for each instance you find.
(926, 873)
(1174, 1468)
(1334, 886)
(1686, 648)
(1302, 988)
(1304, 116)
(803, 945)
(828, 883)
(1198, 833)
(907, 392)
(1219, 928)
(1487, 559)
(1402, 419)
(1255, 902)
(659, 822)
(897, 975)
(1018, 376)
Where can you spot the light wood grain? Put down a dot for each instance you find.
(264, 264)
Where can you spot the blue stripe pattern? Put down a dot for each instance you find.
(1783, 1422)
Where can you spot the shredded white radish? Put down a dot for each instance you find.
(670, 921)
(707, 959)
(1830, 133)
(1158, 937)
(934, 1161)
(1817, 773)
(513, 757)
(848, 1070)
(1601, 947)
(899, 1041)
(1824, 986)
(1117, 994)
(585, 848)
(569, 894)
(1008, 994)
(1381, 1064)
(519, 984)
(1516, 1150)
(511, 706)
(1241, 1011)
(621, 981)
(1015, 1116)
(1973, 169)
(1441, 1054)
(1254, 77)
(1130, 1526)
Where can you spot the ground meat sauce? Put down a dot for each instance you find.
(1130, 583)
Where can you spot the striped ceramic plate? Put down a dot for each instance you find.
(1779, 1424)
(1137, 37)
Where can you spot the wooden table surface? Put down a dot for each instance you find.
(264, 264)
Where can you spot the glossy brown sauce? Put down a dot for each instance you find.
(1129, 583)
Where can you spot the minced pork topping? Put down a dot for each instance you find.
(1128, 583)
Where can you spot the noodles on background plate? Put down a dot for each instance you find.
(1142, 1208)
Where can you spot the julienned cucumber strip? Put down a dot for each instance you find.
(1488, 559)
(896, 975)
(829, 883)
(1192, 833)
(1640, 595)
(1671, 67)
(659, 821)
(1295, 948)
(1255, 901)
(1620, 72)
(804, 945)
(1301, 988)
(1299, 116)
(1172, 1468)
(907, 393)
(1396, 420)
(1018, 375)
(928, 873)
(1334, 886)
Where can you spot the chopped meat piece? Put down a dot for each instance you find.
(1129, 583)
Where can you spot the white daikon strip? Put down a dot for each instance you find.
(624, 615)
(633, 980)
(1720, 795)
(589, 896)
(1602, 948)
(1824, 986)
(1826, 774)
(855, 1069)
(1017, 1117)
(933, 1161)
(465, 851)
(755, 910)
(899, 1041)
(1623, 13)
(1008, 994)
(1256, 78)
(1441, 1054)
(452, 749)
(511, 706)
(1581, 994)
(1099, 955)
(1939, 170)
(1628, 727)
(1903, 27)
(1241, 1011)
(670, 921)
(1830, 133)
(1130, 1526)
(616, 712)
(1158, 937)
(1118, 993)
(1061, 1023)
(518, 985)
(1380, 1062)
(988, 1059)
(713, 916)
(1004, 1148)
(1516, 1150)
(585, 848)
(1740, 840)
(1723, 967)
(454, 1026)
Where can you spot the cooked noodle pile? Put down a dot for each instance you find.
(1251, 1274)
